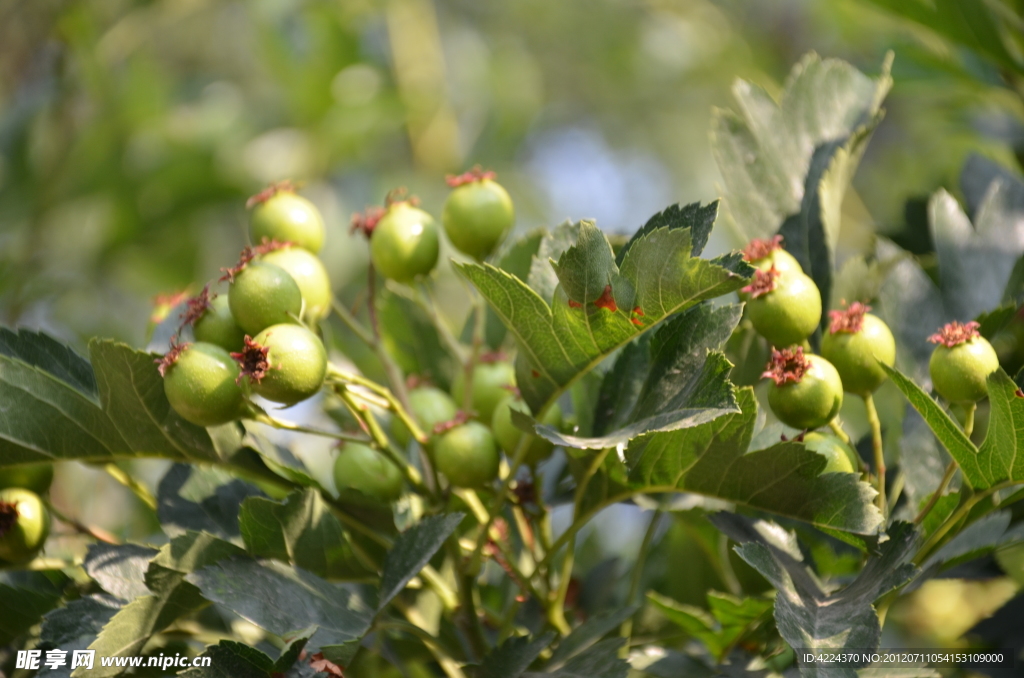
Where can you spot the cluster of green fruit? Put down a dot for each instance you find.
(24, 518)
(784, 306)
(260, 338)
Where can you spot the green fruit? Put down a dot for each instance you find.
(492, 383)
(783, 261)
(813, 401)
(838, 454)
(477, 216)
(310, 275)
(287, 217)
(201, 385)
(789, 313)
(429, 406)
(24, 525)
(509, 437)
(405, 243)
(858, 356)
(960, 373)
(362, 468)
(263, 295)
(297, 364)
(217, 326)
(34, 477)
(467, 455)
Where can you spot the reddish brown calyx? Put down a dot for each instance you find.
(164, 303)
(459, 419)
(322, 665)
(850, 319)
(364, 222)
(400, 195)
(8, 517)
(759, 249)
(787, 366)
(955, 333)
(763, 283)
(476, 174)
(247, 255)
(607, 300)
(171, 356)
(492, 357)
(196, 307)
(253, 361)
(286, 186)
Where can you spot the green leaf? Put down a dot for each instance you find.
(664, 663)
(559, 341)
(201, 500)
(282, 600)
(808, 617)
(587, 634)
(412, 551)
(600, 661)
(786, 165)
(24, 599)
(277, 458)
(120, 569)
(412, 340)
(75, 626)
(729, 620)
(712, 460)
(514, 656)
(132, 392)
(51, 356)
(230, 659)
(980, 537)
(676, 380)
(302, 531)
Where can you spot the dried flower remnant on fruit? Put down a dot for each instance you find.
(246, 256)
(364, 222)
(321, 665)
(459, 419)
(171, 356)
(759, 249)
(851, 319)
(476, 174)
(268, 245)
(763, 283)
(252, 360)
(399, 195)
(196, 307)
(8, 517)
(607, 300)
(787, 366)
(286, 186)
(955, 333)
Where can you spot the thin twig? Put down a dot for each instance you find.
(878, 447)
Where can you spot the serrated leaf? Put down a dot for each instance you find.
(120, 569)
(201, 500)
(278, 459)
(712, 460)
(514, 656)
(75, 626)
(676, 380)
(587, 634)
(300, 530)
(412, 550)
(786, 165)
(51, 356)
(664, 663)
(23, 602)
(230, 659)
(560, 340)
(728, 620)
(132, 392)
(282, 600)
(808, 617)
(542, 278)
(981, 536)
(600, 661)
(516, 259)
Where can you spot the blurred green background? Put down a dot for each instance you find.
(132, 132)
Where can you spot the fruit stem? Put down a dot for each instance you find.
(879, 450)
(626, 631)
(971, 407)
(80, 527)
(338, 376)
(137, 488)
(934, 499)
(264, 418)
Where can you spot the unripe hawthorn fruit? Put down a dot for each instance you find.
(309, 274)
(262, 295)
(24, 525)
(217, 325)
(509, 437)
(285, 363)
(838, 455)
(35, 477)
(961, 362)
(766, 254)
(806, 391)
(467, 455)
(429, 406)
(858, 344)
(201, 383)
(404, 243)
(278, 213)
(784, 308)
(478, 213)
(493, 380)
(363, 468)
